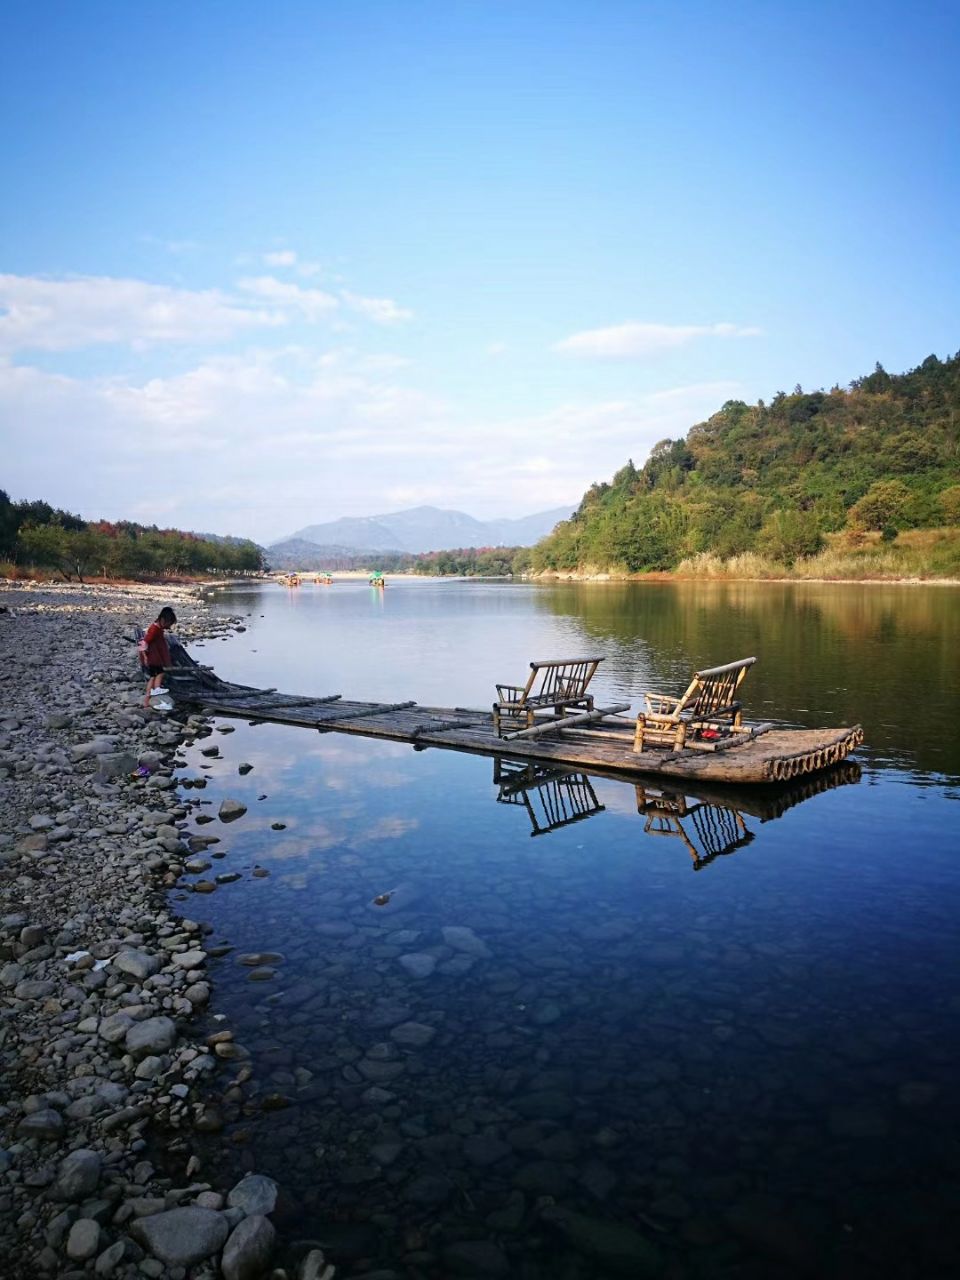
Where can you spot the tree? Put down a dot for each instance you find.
(44, 545)
(9, 524)
(788, 535)
(950, 504)
(883, 504)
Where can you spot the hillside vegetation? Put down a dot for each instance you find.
(827, 479)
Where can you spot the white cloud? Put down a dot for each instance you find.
(280, 258)
(83, 311)
(632, 341)
(380, 310)
(310, 304)
(267, 439)
(39, 314)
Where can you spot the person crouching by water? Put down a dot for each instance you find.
(156, 651)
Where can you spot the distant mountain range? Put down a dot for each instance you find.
(417, 530)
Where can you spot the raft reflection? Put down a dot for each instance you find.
(710, 822)
(711, 829)
(552, 796)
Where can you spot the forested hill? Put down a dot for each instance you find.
(777, 478)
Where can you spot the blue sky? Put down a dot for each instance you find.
(263, 266)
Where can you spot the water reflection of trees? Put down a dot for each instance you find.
(829, 654)
(709, 824)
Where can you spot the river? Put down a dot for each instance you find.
(545, 1025)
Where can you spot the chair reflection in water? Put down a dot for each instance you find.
(553, 797)
(707, 830)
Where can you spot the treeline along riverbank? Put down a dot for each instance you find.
(36, 536)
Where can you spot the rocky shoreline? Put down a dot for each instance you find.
(102, 986)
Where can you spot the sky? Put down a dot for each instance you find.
(263, 266)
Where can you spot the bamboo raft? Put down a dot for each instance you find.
(600, 740)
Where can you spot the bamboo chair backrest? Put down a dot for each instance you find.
(714, 690)
(560, 678)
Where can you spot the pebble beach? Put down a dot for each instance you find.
(103, 989)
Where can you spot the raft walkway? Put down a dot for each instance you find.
(603, 745)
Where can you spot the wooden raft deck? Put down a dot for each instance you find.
(778, 756)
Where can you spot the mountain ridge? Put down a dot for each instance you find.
(421, 529)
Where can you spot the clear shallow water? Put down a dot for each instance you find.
(684, 1023)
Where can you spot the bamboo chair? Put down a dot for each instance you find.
(709, 703)
(553, 686)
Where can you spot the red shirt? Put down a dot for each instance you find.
(158, 651)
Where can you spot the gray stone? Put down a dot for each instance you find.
(110, 1259)
(385, 1153)
(476, 1258)
(77, 1177)
(138, 964)
(255, 1194)
(96, 747)
(46, 1123)
(613, 1245)
(149, 1068)
(83, 1240)
(413, 1034)
(182, 1237)
(115, 1027)
(231, 809)
(11, 974)
(154, 1035)
(485, 1149)
(116, 764)
(548, 1104)
(33, 989)
(314, 1267)
(428, 1189)
(210, 1200)
(463, 939)
(419, 964)
(380, 1072)
(189, 959)
(248, 1251)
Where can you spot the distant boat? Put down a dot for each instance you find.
(377, 580)
(289, 580)
(323, 580)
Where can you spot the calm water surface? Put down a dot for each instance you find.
(595, 1030)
